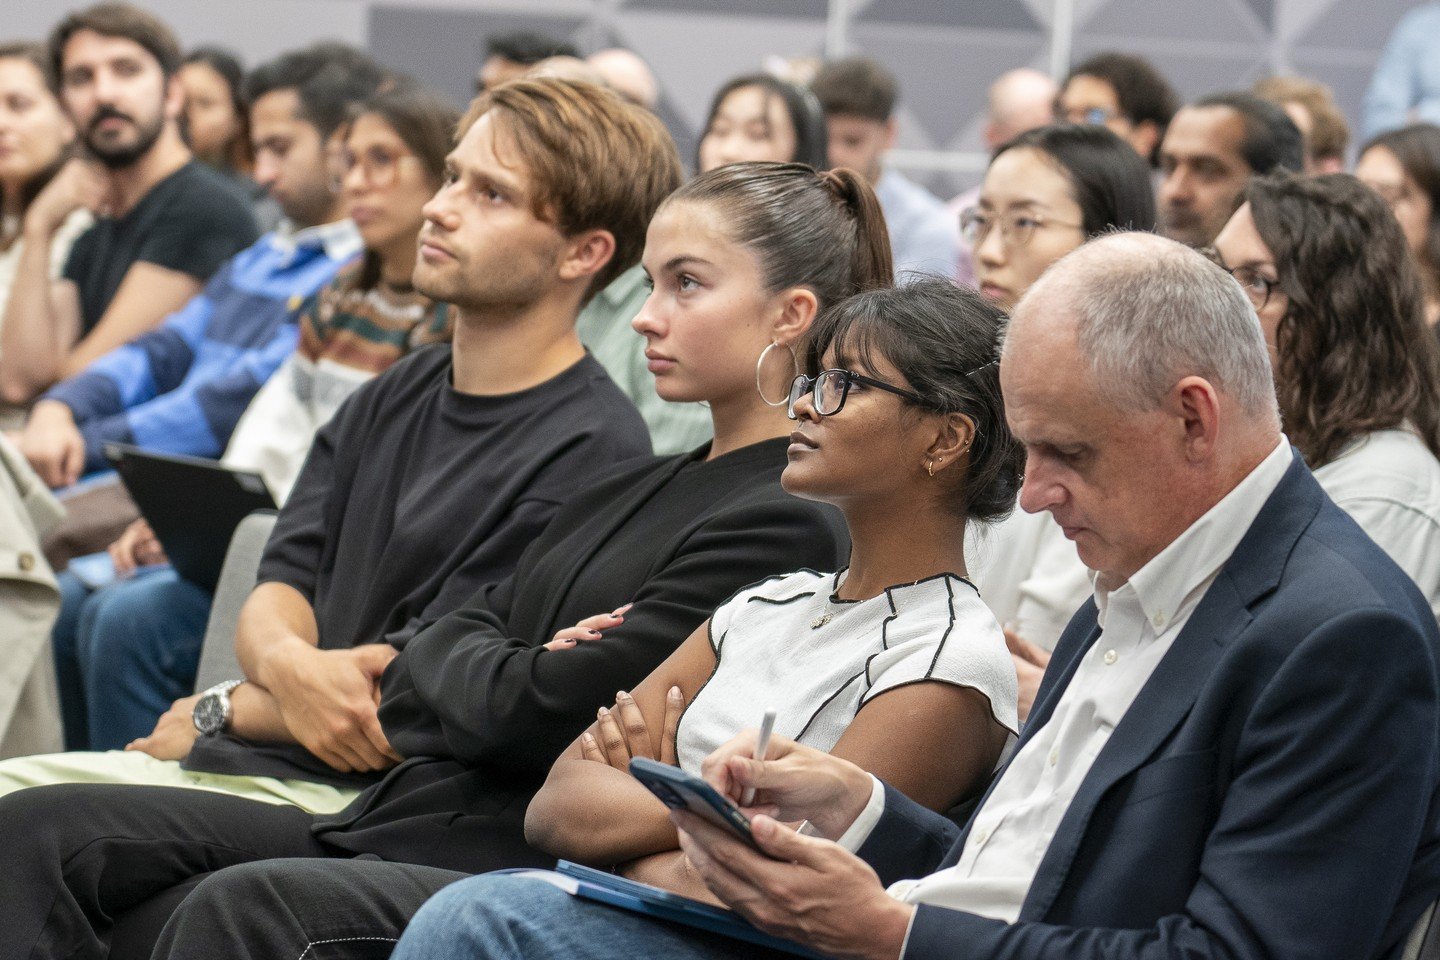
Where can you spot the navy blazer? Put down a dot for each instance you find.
(1271, 792)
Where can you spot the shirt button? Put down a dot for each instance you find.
(983, 838)
(1110, 657)
(1054, 757)
(1158, 620)
(26, 562)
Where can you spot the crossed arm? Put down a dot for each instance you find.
(592, 811)
(324, 700)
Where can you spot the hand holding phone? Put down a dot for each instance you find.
(679, 790)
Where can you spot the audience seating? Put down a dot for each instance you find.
(237, 579)
(1424, 942)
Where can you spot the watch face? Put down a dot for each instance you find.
(210, 714)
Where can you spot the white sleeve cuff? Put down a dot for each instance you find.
(859, 831)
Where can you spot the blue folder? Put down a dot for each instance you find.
(617, 891)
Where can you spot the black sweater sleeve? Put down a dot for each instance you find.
(501, 699)
(293, 553)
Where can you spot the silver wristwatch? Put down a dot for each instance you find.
(212, 710)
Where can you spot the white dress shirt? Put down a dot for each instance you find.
(1140, 620)
(1389, 483)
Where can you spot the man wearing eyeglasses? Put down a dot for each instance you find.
(1123, 92)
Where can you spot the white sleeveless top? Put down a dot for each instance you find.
(788, 644)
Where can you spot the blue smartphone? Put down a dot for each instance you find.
(679, 790)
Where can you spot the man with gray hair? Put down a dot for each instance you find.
(1236, 751)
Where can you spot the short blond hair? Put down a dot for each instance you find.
(1329, 131)
(596, 161)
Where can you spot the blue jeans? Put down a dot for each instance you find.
(500, 916)
(124, 653)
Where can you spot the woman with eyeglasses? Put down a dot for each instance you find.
(1356, 371)
(1045, 193)
(899, 423)
(1403, 166)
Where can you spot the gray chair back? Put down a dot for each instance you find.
(1424, 942)
(237, 579)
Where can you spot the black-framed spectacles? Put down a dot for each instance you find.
(829, 388)
(1256, 285)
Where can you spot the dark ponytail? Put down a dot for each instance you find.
(872, 263)
(824, 232)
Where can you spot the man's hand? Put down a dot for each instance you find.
(1030, 664)
(621, 732)
(173, 735)
(137, 547)
(329, 700)
(793, 783)
(80, 183)
(53, 444)
(801, 888)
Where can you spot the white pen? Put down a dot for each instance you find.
(767, 727)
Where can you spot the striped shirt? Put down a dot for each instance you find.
(788, 644)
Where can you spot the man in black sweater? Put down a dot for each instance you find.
(432, 478)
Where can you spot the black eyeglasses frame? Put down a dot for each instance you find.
(847, 377)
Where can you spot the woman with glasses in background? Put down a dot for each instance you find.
(899, 424)
(1356, 371)
(1045, 193)
(1403, 166)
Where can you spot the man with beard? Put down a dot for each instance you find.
(165, 221)
(1211, 150)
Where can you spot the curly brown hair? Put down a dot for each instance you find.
(1354, 353)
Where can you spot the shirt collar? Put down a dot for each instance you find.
(340, 239)
(1166, 585)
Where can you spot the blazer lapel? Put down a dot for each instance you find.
(1251, 573)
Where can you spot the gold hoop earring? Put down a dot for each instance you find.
(930, 466)
(760, 365)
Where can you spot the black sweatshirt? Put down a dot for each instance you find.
(482, 710)
(414, 497)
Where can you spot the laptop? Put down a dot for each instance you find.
(192, 504)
